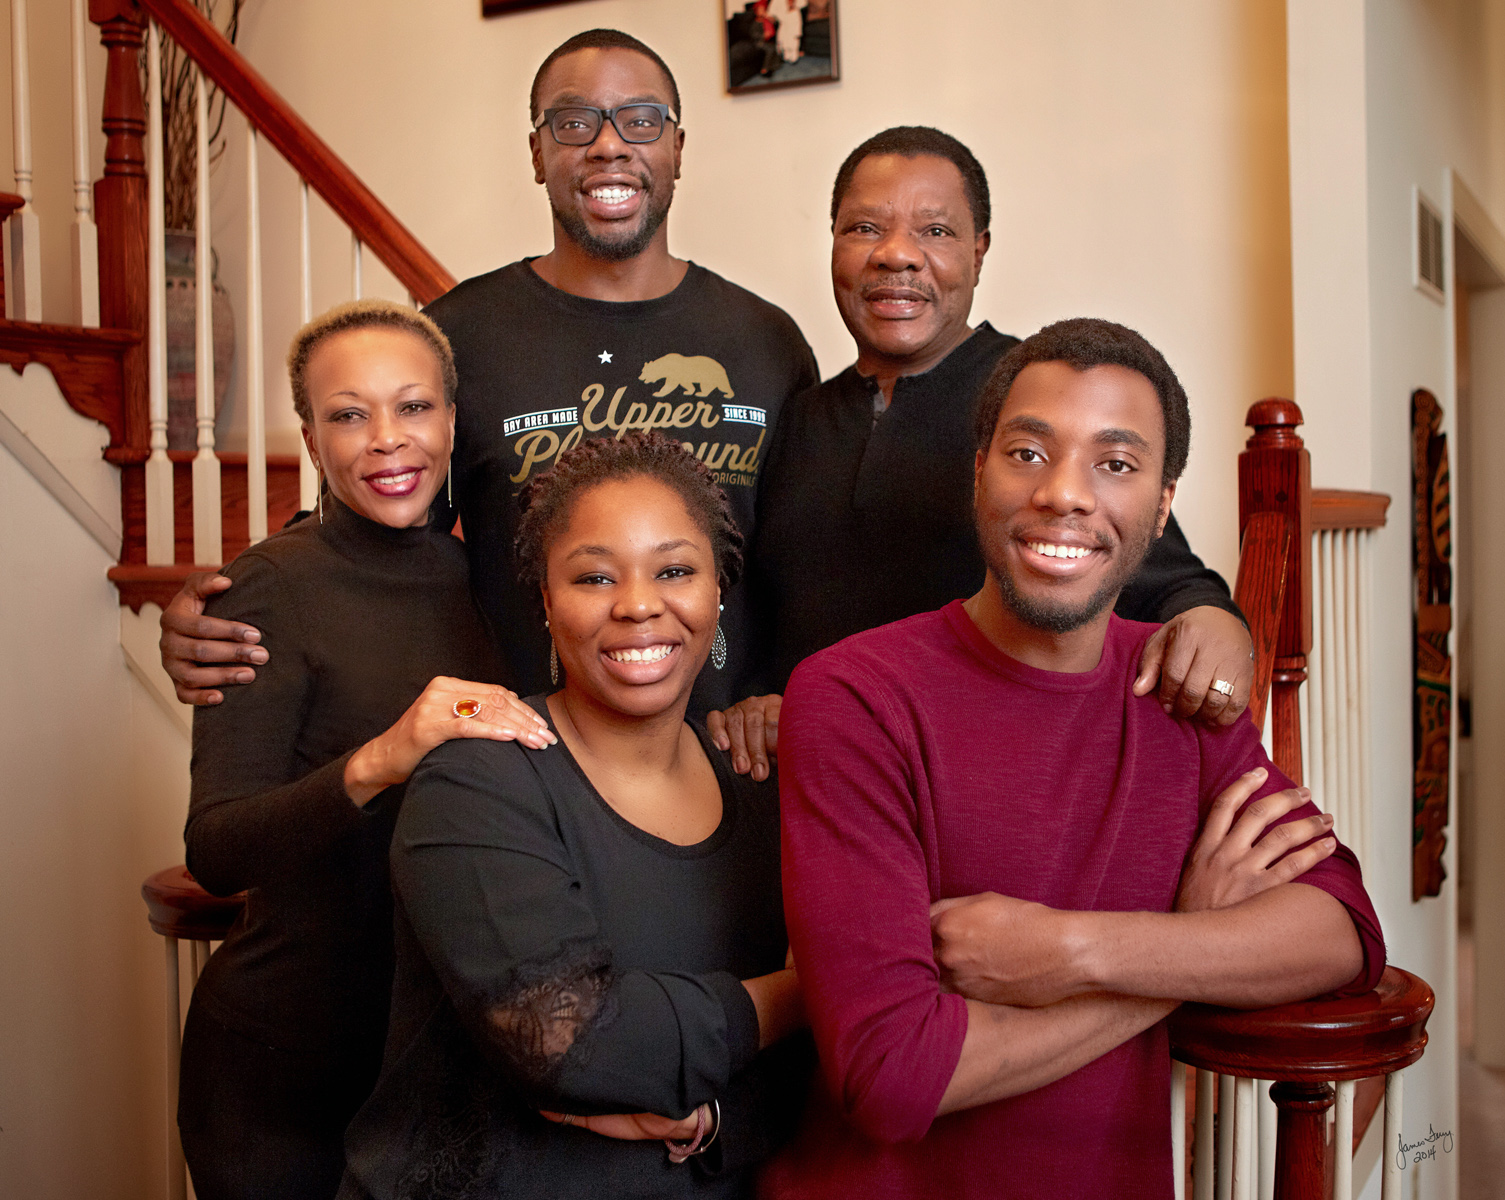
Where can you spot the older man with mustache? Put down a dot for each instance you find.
(869, 477)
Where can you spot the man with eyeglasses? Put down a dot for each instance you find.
(605, 333)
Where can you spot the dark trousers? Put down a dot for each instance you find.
(259, 1122)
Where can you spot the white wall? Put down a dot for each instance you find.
(94, 798)
(1136, 153)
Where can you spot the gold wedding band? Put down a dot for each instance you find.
(1222, 685)
(469, 708)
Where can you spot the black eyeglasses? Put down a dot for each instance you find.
(580, 125)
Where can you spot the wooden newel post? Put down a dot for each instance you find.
(1306, 1047)
(1301, 1140)
(120, 200)
(1275, 475)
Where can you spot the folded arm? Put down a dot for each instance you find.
(1010, 1050)
(1246, 933)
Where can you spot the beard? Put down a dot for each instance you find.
(1055, 616)
(617, 249)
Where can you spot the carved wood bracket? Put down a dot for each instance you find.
(88, 365)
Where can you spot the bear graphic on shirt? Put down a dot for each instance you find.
(696, 374)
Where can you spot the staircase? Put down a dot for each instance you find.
(182, 511)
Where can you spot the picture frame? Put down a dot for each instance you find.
(774, 44)
(501, 8)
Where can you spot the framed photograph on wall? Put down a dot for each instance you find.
(499, 8)
(779, 43)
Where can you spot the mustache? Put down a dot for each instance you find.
(642, 182)
(901, 282)
(1098, 540)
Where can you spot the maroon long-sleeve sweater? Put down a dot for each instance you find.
(919, 762)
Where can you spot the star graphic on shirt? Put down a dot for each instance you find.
(606, 356)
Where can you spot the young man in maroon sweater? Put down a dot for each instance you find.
(985, 833)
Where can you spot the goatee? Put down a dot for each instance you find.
(1056, 617)
(614, 249)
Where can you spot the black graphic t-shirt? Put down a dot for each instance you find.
(710, 364)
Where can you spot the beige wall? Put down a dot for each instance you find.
(95, 789)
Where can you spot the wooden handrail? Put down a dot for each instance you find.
(1333, 508)
(371, 221)
(1322, 1040)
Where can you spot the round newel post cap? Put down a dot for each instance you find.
(178, 907)
(1322, 1040)
(1273, 411)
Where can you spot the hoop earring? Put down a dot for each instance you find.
(718, 645)
(553, 659)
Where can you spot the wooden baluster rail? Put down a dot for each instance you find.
(1305, 1047)
(1275, 476)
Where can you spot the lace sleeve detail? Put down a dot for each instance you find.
(546, 1009)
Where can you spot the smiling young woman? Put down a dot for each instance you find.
(591, 947)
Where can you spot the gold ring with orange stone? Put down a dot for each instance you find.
(467, 708)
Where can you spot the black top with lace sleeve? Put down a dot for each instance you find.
(551, 955)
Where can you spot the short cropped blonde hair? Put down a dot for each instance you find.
(364, 314)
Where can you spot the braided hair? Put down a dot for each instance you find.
(548, 499)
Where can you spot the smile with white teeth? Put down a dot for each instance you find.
(1050, 550)
(649, 654)
(404, 477)
(613, 194)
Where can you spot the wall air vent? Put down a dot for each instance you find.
(1428, 272)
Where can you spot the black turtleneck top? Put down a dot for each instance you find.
(357, 617)
(864, 520)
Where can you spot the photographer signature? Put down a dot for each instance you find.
(1415, 1152)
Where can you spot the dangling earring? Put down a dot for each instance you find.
(449, 481)
(321, 495)
(718, 646)
(553, 659)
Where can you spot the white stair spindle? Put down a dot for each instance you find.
(1242, 1186)
(1353, 651)
(1269, 1115)
(308, 478)
(207, 521)
(159, 500)
(1343, 1142)
(355, 266)
(1178, 1129)
(1225, 1137)
(256, 416)
(1360, 843)
(25, 230)
(177, 1177)
(1392, 1160)
(1204, 1156)
(85, 239)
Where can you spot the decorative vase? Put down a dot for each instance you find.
(182, 318)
